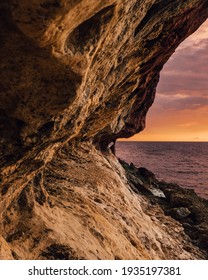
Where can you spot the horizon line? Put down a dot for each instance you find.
(185, 141)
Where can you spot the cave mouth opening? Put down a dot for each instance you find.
(174, 145)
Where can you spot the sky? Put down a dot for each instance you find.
(180, 110)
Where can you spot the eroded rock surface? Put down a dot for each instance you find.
(75, 76)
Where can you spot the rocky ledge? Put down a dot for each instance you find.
(183, 205)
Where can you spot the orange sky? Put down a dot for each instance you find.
(180, 110)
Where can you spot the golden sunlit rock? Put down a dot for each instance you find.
(75, 76)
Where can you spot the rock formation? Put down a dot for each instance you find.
(75, 76)
(182, 204)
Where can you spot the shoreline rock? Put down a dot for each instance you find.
(183, 205)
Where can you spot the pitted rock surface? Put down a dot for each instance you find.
(76, 76)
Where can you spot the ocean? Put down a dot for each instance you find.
(184, 163)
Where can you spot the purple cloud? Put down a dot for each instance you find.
(184, 81)
(186, 71)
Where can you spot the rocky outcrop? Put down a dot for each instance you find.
(75, 76)
(183, 205)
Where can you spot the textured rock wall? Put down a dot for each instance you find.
(75, 76)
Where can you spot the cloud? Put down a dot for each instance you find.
(188, 124)
(187, 69)
(178, 101)
(180, 110)
(195, 40)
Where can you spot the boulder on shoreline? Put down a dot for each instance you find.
(182, 204)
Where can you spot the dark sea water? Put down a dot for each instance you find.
(185, 163)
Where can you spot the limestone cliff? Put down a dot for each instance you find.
(75, 76)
